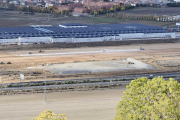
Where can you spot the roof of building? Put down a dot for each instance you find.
(73, 24)
(88, 31)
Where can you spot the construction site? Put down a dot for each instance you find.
(80, 70)
(88, 62)
(43, 62)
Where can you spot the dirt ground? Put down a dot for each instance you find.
(77, 105)
(161, 56)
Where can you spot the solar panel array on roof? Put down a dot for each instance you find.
(43, 29)
(89, 31)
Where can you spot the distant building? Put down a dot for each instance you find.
(159, 4)
(13, 2)
(39, 4)
(23, 4)
(71, 7)
(80, 10)
(99, 4)
(64, 7)
(82, 33)
(133, 5)
(48, 4)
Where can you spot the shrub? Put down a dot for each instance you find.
(49, 115)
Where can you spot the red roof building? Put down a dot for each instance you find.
(80, 10)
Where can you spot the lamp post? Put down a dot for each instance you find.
(5, 35)
(94, 11)
(72, 36)
(45, 89)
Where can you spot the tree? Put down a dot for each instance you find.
(11, 6)
(67, 12)
(112, 9)
(150, 100)
(63, 12)
(3, 4)
(49, 115)
(107, 14)
(122, 8)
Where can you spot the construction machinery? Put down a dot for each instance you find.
(130, 63)
(2, 63)
(104, 50)
(141, 48)
(9, 62)
(41, 51)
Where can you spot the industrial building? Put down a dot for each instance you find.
(76, 32)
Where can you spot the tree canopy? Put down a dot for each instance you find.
(150, 99)
(49, 115)
(173, 4)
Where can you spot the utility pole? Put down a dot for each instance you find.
(28, 9)
(48, 17)
(94, 12)
(5, 36)
(45, 89)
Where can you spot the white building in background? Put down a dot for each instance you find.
(23, 4)
(48, 4)
(13, 2)
(176, 17)
(133, 5)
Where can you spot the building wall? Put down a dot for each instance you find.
(96, 39)
(80, 10)
(69, 7)
(27, 40)
(113, 38)
(101, 4)
(64, 7)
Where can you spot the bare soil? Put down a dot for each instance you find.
(77, 105)
(31, 66)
